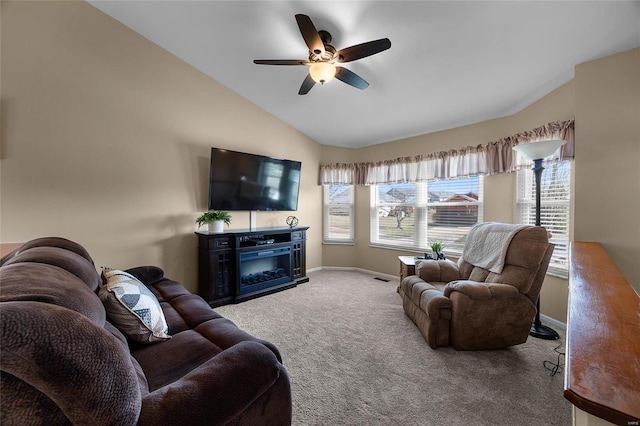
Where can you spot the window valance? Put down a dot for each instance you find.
(493, 158)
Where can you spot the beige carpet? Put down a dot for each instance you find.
(355, 358)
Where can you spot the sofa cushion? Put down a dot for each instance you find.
(65, 357)
(63, 258)
(147, 274)
(58, 242)
(437, 270)
(132, 308)
(40, 282)
(187, 311)
(527, 248)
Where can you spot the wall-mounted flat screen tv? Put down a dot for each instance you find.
(243, 181)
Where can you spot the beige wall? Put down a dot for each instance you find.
(499, 190)
(106, 140)
(607, 189)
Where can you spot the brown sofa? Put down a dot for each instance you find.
(469, 307)
(64, 362)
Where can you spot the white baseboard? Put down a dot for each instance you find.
(351, 268)
(554, 322)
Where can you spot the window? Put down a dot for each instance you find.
(414, 215)
(338, 213)
(554, 208)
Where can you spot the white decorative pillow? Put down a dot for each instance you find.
(132, 307)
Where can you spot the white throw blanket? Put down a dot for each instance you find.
(487, 244)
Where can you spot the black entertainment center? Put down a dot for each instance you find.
(239, 265)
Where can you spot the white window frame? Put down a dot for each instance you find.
(347, 204)
(421, 238)
(559, 199)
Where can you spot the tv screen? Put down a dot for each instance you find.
(242, 181)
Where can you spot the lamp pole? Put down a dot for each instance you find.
(538, 151)
(537, 170)
(537, 328)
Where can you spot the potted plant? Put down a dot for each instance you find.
(437, 247)
(216, 220)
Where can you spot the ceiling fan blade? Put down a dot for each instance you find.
(310, 34)
(351, 78)
(281, 62)
(307, 84)
(363, 50)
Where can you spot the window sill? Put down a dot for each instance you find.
(447, 253)
(339, 243)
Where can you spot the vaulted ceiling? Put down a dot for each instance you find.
(451, 63)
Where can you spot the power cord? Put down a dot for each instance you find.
(558, 365)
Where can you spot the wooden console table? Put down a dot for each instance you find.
(602, 376)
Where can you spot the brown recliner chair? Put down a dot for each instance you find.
(482, 305)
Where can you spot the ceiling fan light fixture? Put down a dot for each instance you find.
(322, 72)
(323, 56)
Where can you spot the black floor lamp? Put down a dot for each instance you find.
(537, 151)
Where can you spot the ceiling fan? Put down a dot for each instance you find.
(323, 57)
